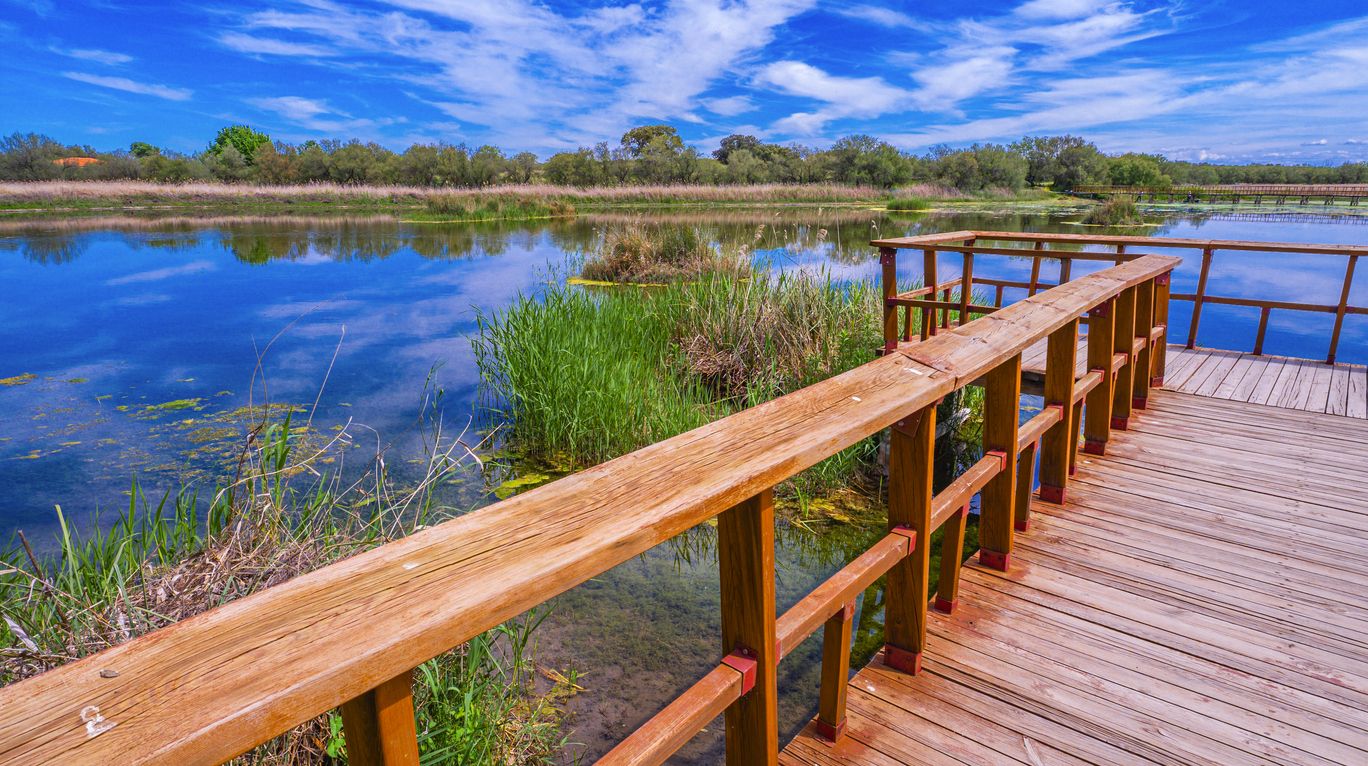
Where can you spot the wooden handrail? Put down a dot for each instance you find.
(213, 686)
(933, 244)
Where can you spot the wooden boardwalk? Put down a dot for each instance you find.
(1295, 384)
(1202, 598)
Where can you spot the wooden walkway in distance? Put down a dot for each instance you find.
(1278, 381)
(1202, 598)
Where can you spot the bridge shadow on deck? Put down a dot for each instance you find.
(1202, 598)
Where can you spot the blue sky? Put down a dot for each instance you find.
(1223, 81)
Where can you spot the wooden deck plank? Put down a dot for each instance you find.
(1200, 599)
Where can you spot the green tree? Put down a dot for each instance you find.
(734, 143)
(228, 164)
(487, 166)
(311, 165)
(275, 165)
(1043, 153)
(522, 167)
(142, 149)
(862, 159)
(578, 168)
(241, 138)
(29, 157)
(1078, 166)
(1137, 170)
(637, 140)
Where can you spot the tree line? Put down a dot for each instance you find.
(649, 154)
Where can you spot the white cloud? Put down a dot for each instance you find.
(1059, 9)
(131, 86)
(879, 16)
(843, 96)
(318, 116)
(96, 55)
(730, 106)
(945, 86)
(270, 47)
(292, 107)
(1319, 142)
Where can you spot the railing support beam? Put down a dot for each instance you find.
(952, 551)
(1144, 328)
(379, 726)
(1162, 285)
(1061, 358)
(831, 711)
(911, 464)
(1097, 412)
(888, 262)
(745, 555)
(1123, 339)
(1001, 420)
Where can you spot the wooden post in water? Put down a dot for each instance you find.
(1144, 328)
(1123, 335)
(831, 710)
(379, 726)
(1061, 357)
(911, 464)
(1161, 319)
(888, 262)
(1001, 420)
(745, 555)
(1097, 413)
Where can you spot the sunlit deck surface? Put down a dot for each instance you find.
(1201, 598)
(1278, 381)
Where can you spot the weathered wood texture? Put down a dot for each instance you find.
(1200, 599)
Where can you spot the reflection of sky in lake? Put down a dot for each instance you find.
(147, 314)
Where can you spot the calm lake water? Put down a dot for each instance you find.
(127, 345)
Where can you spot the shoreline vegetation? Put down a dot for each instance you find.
(417, 204)
(287, 513)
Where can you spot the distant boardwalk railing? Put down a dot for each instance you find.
(349, 636)
(1067, 248)
(1279, 193)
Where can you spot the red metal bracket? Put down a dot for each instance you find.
(908, 425)
(901, 659)
(829, 732)
(1102, 309)
(888, 256)
(1120, 424)
(994, 559)
(1052, 494)
(1157, 381)
(1094, 447)
(947, 607)
(1001, 456)
(1021, 526)
(910, 534)
(847, 611)
(743, 661)
(1139, 402)
(1164, 279)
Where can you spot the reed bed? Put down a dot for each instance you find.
(203, 192)
(592, 375)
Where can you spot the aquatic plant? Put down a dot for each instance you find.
(594, 375)
(165, 560)
(1117, 211)
(637, 253)
(907, 204)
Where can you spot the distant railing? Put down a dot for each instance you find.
(1280, 193)
(349, 635)
(1044, 247)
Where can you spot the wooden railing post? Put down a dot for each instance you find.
(1097, 413)
(831, 710)
(930, 316)
(1035, 269)
(966, 287)
(1025, 485)
(952, 549)
(1061, 358)
(888, 262)
(911, 466)
(1342, 308)
(379, 726)
(1200, 297)
(1161, 319)
(1144, 328)
(745, 556)
(1001, 420)
(1123, 334)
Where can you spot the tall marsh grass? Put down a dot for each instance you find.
(593, 375)
(642, 254)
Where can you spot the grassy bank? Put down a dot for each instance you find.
(525, 201)
(165, 560)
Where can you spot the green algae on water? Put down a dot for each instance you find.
(18, 380)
